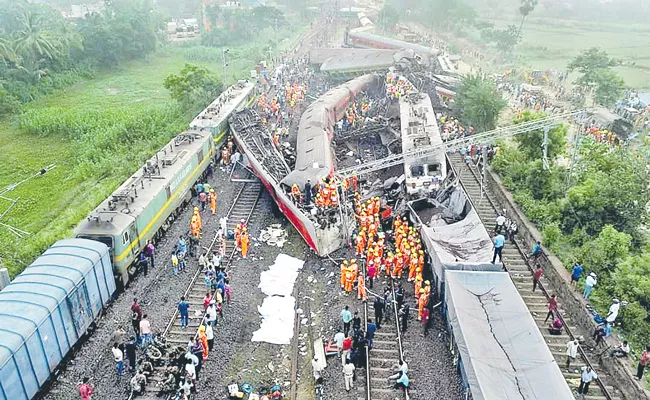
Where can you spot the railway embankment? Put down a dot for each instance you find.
(574, 305)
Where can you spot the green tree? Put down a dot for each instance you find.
(388, 17)
(526, 7)
(194, 88)
(612, 190)
(479, 102)
(606, 250)
(609, 87)
(597, 77)
(530, 143)
(33, 43)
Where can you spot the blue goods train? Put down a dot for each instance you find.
(47, 309)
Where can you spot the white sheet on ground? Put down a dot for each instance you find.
(278, 309)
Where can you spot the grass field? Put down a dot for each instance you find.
(552, 43)
(51, 205)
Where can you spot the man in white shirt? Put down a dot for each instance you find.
(590, 282)
(402, 368)
(586, 377)
(338, 339)
(145, 332)
(348, 374)
(501, 220)
(613, 311)
(318, 368)
(571, 351)
(119, 359)
(209, 334)
(211, 314)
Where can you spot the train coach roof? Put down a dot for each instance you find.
(320, 55)
(418, 48)
(503, 353)
(137, 192)
(37, 292)
(369, 61)
(220, 109)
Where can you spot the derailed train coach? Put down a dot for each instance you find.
(315, 160)
(47, 309)
(364, 40)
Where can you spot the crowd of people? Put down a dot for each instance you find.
(397, 86)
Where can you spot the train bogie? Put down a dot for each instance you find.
(47, 309)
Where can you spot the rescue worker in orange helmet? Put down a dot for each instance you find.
(204, 341)
(361, 243)
(344, 268)
(349, 281)
(361, 289)
(245, 241)
(417, 285)
(238, 235)
(397, 269)
(423, 300)
(413, 264)
(212, 196)
(427, 288)
(390, 264)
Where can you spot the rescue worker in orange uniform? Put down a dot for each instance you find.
(349, 281)
(344, 268)
(418, 285)
(390, 264)
(427, 288)
(204, 341)
(422, 302)
(245, 241)
(296, 194)
(413, 264)
(361, 289)
(212, 196)
(397, 269)
(238, 235)
(197, 217)
(194, 229)
(361, 242)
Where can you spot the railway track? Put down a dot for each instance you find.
(516, 264)
(241, 210)
(386, 353)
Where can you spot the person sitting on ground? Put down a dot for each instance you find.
(402, 368)
(402, 382)
(621, 351)
(138, 382)
(556, 327)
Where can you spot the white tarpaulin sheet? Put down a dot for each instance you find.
(278, 309)
(503, 353)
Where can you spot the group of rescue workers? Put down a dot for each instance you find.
(328, 191)
(397, 86)
(371, 246)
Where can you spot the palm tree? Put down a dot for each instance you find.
(32, 43)
(527, 6)
(7, 54)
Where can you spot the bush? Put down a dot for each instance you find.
(9, 104)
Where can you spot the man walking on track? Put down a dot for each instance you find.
(499, 242)
(379, 311)
(348, 373)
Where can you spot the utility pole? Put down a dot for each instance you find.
(545, 164)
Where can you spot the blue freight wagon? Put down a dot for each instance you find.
(46, 310)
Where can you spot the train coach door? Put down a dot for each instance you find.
(79, 304)
(134, 240)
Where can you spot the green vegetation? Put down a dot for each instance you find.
(593, 212)
(193, 86)
(97, 127)
(479, 102)
(595, 67)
